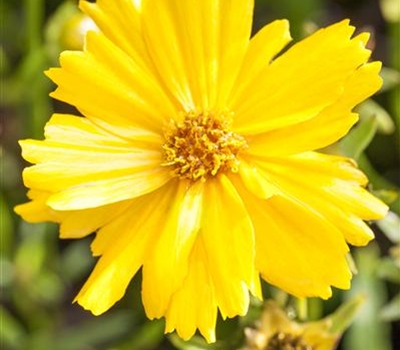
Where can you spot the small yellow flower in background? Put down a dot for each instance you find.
(74, 30)
(195, 159)
(276, 331)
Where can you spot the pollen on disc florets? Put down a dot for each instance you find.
(286, 341)
(201, 145)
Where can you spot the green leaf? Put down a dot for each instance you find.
(369, 108)
(377, 180)
(367, 331)
(395, 255)
(359, 137)
(388, 270)
(391, 78)
(31, 253)
(96, 331)
(12, 333)
(76, 260)
(342, 318)
(385, 124)
(149, 336)
(391, 311)
(387, 196)
(7, 275)
(195, 343)
(48, 288)
(390, 226)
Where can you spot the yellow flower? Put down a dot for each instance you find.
(74, 29)
(276, 331)
(195, 160)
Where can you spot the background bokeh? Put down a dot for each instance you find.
(40, 274)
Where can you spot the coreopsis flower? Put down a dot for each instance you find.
(196, 157)
(275, 330)
(74, 29)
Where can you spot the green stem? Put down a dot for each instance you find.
(394, 30)
(34, 20)
(37, 91)
(302, 309)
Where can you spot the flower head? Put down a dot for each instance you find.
(275, 330)
(196, 158)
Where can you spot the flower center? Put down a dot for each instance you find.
(285, 341)
(201, 145)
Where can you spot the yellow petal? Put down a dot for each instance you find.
(297, 250)
(194, 305)
(70, 129)
(80, 223)
(82, 166)
(146, 86)
(332, 186)
(86, 178)
(255, 181)
(200, 48)
(300, 83)
(123, 245)
(92, 156)
(263, 47)
(120, 21)
(328, 126)
(36, 210)
(94, 193)
(166, 264)
(113, 272)
(255, 285)
(229, 246)
(73, 224)
(334, 178)
(104, 83)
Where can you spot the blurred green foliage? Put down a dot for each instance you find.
(39, 275)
